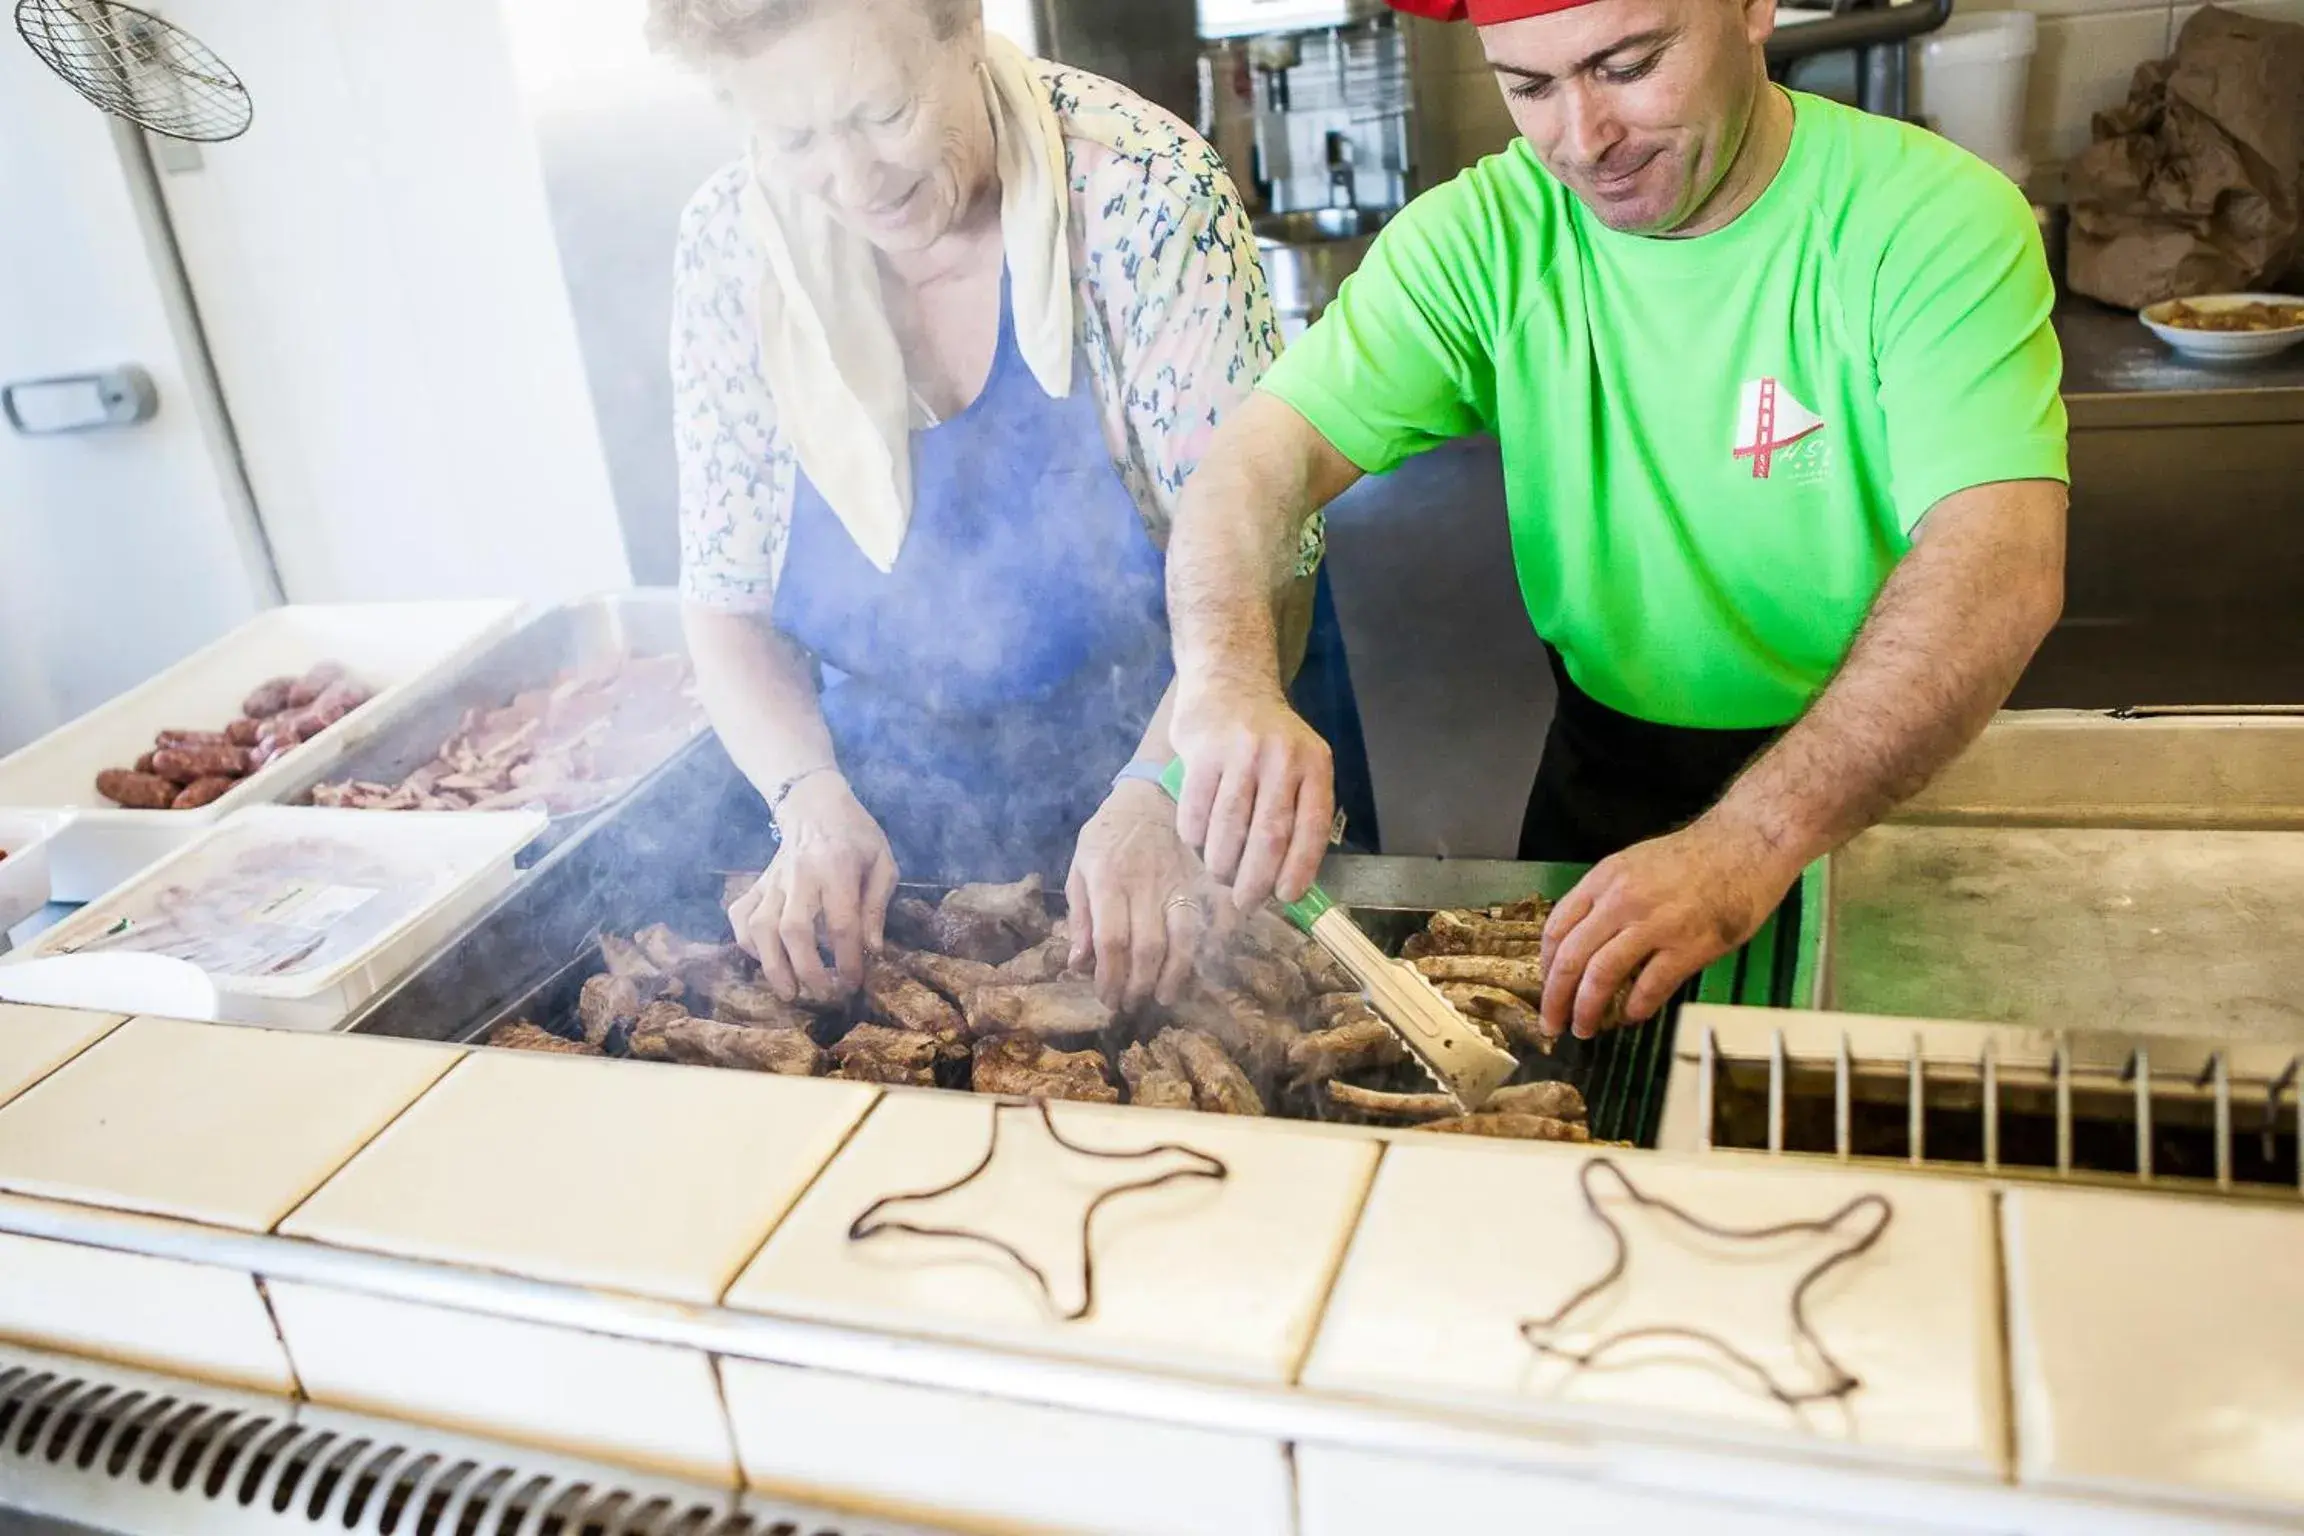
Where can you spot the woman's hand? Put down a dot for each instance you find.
(1139, 898)
(830, 882)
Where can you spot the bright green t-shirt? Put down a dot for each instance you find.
(1715, 449)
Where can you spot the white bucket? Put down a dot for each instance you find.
(1971, 78)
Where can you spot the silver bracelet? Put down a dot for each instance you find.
(784, 792)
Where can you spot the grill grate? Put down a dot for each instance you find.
(2004, 1101)
(125, 1451)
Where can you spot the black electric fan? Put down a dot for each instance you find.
(136, 66)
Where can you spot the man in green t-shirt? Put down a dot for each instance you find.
(1784, 456)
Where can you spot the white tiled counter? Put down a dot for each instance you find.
(1461, 1244)
(2157, 1352)
(1216, 1278)
(653, 1266)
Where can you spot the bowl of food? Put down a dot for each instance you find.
(24, 838)
(2228, 327)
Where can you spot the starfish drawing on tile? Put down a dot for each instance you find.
(1072, 1269)
(1851, 1230)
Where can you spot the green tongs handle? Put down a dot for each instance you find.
(1304, 912)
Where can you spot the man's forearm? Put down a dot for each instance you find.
(1232, 555)
(1940, 652)
(760, 694)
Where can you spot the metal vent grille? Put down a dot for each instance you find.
(140, 1454)
(1999, 1100)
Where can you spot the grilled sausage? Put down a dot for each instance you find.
(144, 763)
(202, 792)
(136, 791)
(182, 765)
(313, 684)
(268, 700)
(244, 732)
(180, 739)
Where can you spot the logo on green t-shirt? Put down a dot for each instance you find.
(1774, 430)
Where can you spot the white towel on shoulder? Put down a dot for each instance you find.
(826, 347)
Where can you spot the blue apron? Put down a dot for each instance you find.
(982, 694)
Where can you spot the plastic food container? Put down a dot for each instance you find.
(281, 915)
(25, 839)
(1972, 79)
(393, 648)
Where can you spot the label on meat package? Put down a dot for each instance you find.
(314, 908)
(272, 911)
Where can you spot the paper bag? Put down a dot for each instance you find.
(2196, 185)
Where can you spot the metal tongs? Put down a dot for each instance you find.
(1462, 1062)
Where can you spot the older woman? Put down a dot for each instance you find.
(947, 344)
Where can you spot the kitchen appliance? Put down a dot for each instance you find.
(1312, 104)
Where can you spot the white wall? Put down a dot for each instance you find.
(119, 552)
(376, 272)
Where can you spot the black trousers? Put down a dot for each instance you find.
(1608, 780)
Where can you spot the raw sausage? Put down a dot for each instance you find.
(136, 791)
(313, 684)
(182, 765)
(201, 792)
(268, 700)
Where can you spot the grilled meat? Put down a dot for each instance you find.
(1516, 1020)
(1358, 1041)
(1024, 1066)
(1528, 909)
(1048, 960)
(607, 1001)
(1153, 1082)
(1522, 977)
(1466, 933)
(992, 923)
(520, 1035)
(1237, 1022)
(1266, 933)
(664, 1033)
(1218, 1084)
(750, 1002)
(874, 1053)
(894, 997)
(956, 979)
(1060, 1010)
(912, 923)
(1547, 1100)
(1509, 1126)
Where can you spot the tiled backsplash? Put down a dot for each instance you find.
(2087, 52)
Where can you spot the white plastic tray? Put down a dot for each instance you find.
(393, 648)
(25, 837)
(462, 863)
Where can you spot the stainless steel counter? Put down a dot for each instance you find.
(2185, 578)
(2117, 373)
(2148, 932)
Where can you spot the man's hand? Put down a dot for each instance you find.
(1137, 897)
(833, 872)
(1259, 790)
(1650, 918)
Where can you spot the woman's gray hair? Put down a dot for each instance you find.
(700, 31)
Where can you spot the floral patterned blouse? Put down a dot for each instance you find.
(1173, 318)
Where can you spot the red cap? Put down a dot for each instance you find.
(1484, 13)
